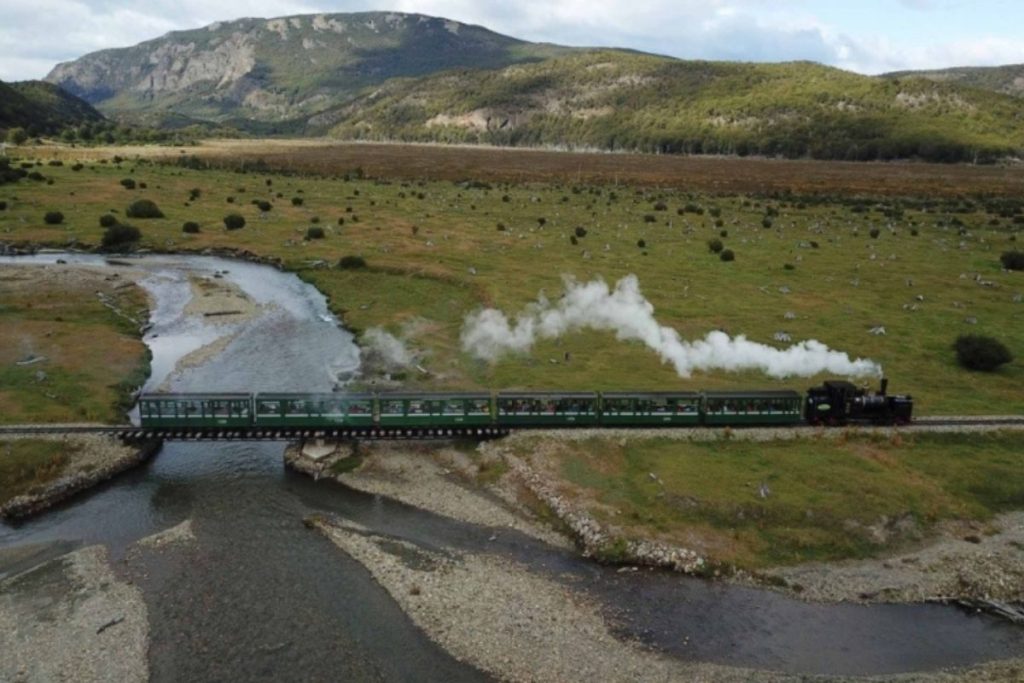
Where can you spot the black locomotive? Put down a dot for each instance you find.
(838, 402)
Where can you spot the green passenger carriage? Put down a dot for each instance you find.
(752, 407)
(195, 410)
(547, 408)
(313, 410)
(434, 410)
(655, 408)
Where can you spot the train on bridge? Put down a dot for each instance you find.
(832, 403)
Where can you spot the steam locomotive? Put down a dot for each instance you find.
(833, 403)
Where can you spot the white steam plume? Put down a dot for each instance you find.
(488, 334)
(387, 347)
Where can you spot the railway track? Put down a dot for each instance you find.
(130, 433)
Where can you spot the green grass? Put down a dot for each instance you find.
(822, 493)
(26, 465)
(420, 285)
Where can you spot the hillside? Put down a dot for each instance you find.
(392, 76)
(42, 107)
(284, 68)
(617, 100)
(1008, 79)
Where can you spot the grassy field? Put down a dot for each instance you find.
(435, 252)
(27, 464)
(64, 355)
(823, 499)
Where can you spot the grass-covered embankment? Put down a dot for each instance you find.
(755, 504)
(70, 345)
(27, 465)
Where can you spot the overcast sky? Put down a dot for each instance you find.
(869, 36)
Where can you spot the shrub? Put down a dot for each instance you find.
(143, 208)
(501, 227)
(541, 221)
(1013, 260)
(106, 220)
(297, 201)
(660, 206)
(641, 243)
(341, 221)
(234, 221)
(766, 222)
(194, 193)
(36, 175)
(128, 184)
(53, 218)
(190, 227)
(77, 167)
(230, 200)
(120, 237)
(724, 233)
(715, 245)
(727, 255)
(314, 220)
(54, 162)
(3, 206)
(914, 232)
(977, 352)
(142, 186)
(789, 266)
(649, 218)
(875, 232)
(351, 262)
(264, 206)
(580, 231)
(315, 233)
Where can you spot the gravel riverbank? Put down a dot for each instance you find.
(72, 619)
(95, 459)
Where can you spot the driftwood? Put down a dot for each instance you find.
(112, 622)
(214, 314)
(1007, 610)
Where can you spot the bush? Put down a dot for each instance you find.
(724, 233)
(36, 175)
(727, 255)
(660, 206)
(580, 231)
(914, 232)
(573, 241)
(77, 167)
(106, 220)
(650, 218)
(3, 206)
(190, 227)
(234, 221)
(715, 245)
(264, 206)
(641, 243)
(194, 193)
(120, 237)
(766, 222)
(341, 221)
(1012, 260)
(128, 184)
(501, 227)
(53, 218)
(789, 266)
(976, 352)
(351, 262)
(875, 232)
(143, 208)
(297, 201)
(230, 200)
(315, 233)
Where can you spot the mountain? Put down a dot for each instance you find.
(283, 68)
(42, 107)
(1008, 79)
(619, 100)
(392, 76)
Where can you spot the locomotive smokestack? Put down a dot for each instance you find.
(885, 385)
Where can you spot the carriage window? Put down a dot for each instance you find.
(454, 406)
(297, 408)
(269, 407)
(241, 408)
(362, 408)
(479, 406)
(392, 407)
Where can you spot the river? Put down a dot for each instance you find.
(257, 595)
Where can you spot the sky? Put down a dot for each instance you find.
(867, 36)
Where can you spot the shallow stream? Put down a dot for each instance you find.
(257, 595)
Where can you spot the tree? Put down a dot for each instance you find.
(234, 221)
(17, 136)
(976, 352)
(144, 208)
(120, 237)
